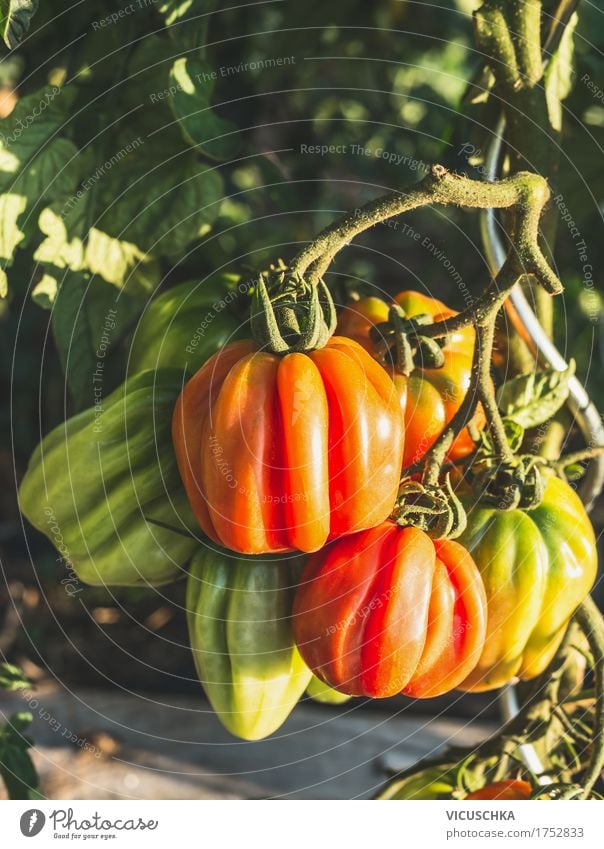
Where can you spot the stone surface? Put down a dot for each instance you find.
(94, 744)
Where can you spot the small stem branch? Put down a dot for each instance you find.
(480, 380)
(526, 25)
(579, 456)
(529, 192)
(591, 623)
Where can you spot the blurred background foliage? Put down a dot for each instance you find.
(231, 176)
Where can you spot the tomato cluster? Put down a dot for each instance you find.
(311, 574)
(303, 452)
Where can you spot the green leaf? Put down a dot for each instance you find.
(12, 678)
(559, 74)
(27, 134)
(16, 766)
(514, 433)
(145, 195)
(88, 319)
(191, 85)
(116, 261)
(170, 201)
(15, 16)
(72, 335)
(34, 166)
(187, 20)
(45, 292)
(20, 722)
(532, 399)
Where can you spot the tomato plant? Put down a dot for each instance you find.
(447, 548)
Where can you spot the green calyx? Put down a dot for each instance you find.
(509, 486)
(399, 341)
(431, 508)
(290, 315)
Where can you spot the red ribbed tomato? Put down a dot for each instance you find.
(429, 397)
(389, 610)
(503, 791)
(283, 452)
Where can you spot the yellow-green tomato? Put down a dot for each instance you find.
(432, 783)
(537, 567)
(320, 692)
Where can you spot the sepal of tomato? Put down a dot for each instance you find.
(239, 616)
(283, 452)
(390, 611)
(429, 397)
(537, 567)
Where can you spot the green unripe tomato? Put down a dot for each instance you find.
(432, 783)
(239, 616)
(104, 488)
(320, 692)
(185, 325)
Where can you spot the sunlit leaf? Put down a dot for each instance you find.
(15, 16)
(532, 399)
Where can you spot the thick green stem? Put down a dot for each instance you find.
(525, 19)
(528, 192)
(508, 32)
(480, 389)
(591, 623)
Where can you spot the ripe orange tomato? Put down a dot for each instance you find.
(429, 397)
(389, 611)
(284, 452)
(503, 791)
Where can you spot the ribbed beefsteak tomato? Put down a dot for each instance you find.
(429, 397)
(390, 611)
(537, 566)
(283, 452)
